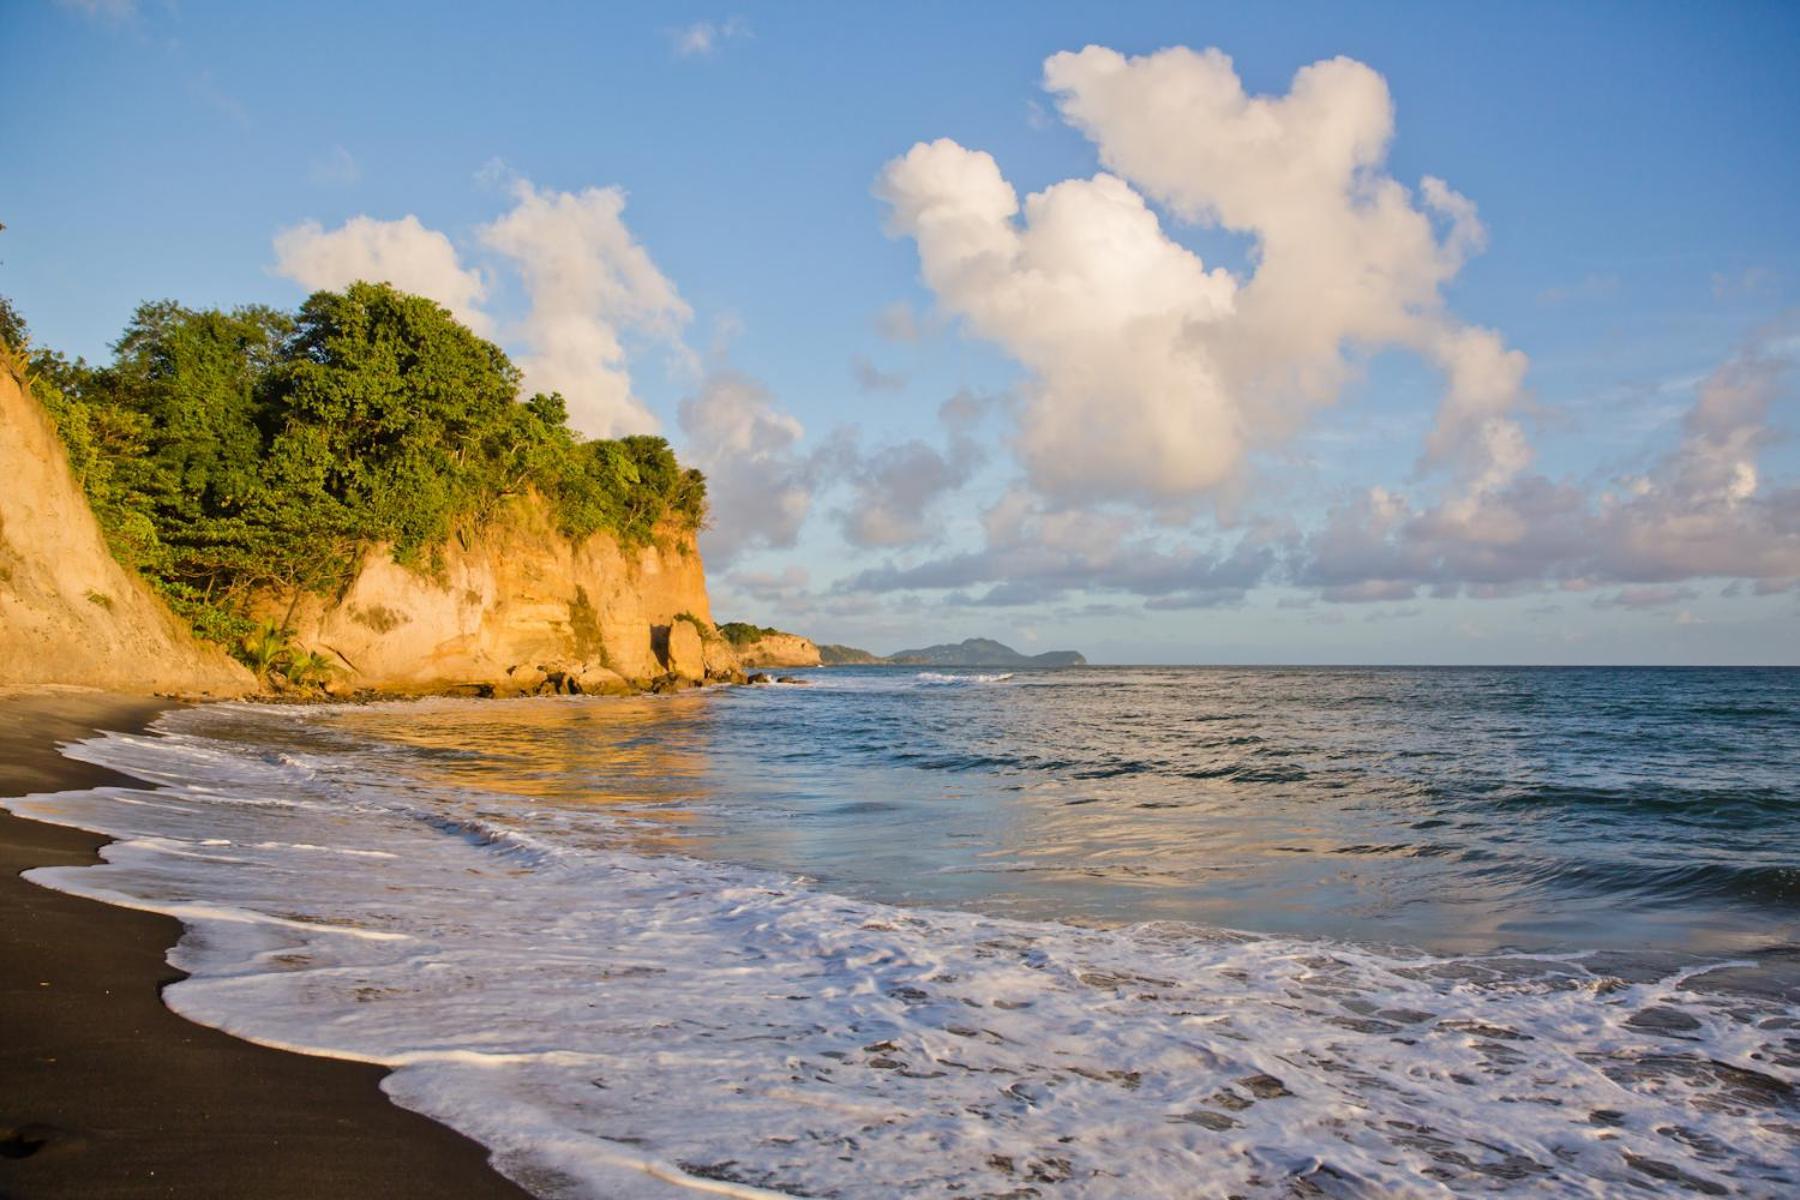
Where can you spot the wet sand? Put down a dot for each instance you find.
(104, 1092)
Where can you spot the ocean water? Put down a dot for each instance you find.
(1104, 932)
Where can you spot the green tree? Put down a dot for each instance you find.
(188, 385)
(13, 331)
(399, 407)
(231, 456)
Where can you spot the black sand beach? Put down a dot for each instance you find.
(104, 1092)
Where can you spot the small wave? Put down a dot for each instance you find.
(1718, 805)
(1744, 710)
(859, 808)
(939, 679)
(1769, 885)
(510, 843)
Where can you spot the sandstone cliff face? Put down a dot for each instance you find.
(69, 613)
(517, 607)
(779, 650)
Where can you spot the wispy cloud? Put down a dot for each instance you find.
(702, 39)
(496, 173)
(896, 489)
(1750, 281)
(871, 378)
(1647, 596)
(111, 12)
(1588, 288)
(897, 323)
(1703, 510)
(206, 89)
(1035, 553)
(337, 168)
(760, 482)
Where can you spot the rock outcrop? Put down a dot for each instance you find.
(778, 650)
(69, 612)
(518, 608)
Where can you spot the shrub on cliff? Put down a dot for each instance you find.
(742, 633)
(230, 453)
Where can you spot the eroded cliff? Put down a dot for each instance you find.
(513, 608)
(517, 608)
(69, 613)
(778, 650)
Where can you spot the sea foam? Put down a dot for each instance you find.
(615, 1023)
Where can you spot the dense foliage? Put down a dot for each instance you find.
(233, 454)
(741, 633)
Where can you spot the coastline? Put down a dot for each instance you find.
(105, 1092)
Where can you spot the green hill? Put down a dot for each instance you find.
(983, 652)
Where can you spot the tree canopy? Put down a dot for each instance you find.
(742, 633)
(227, 453)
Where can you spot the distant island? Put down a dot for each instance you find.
(974, 652)
(833, 655)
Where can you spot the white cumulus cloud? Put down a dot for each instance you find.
(1093, 298)
(1153, 376)
(588, 284)
(589, 281)
(404, 253)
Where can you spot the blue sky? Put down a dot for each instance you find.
(1632, 167)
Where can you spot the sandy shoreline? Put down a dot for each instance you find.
(105, 1092)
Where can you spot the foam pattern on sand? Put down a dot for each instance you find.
(617, 1024)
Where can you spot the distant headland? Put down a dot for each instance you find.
(972, 652)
